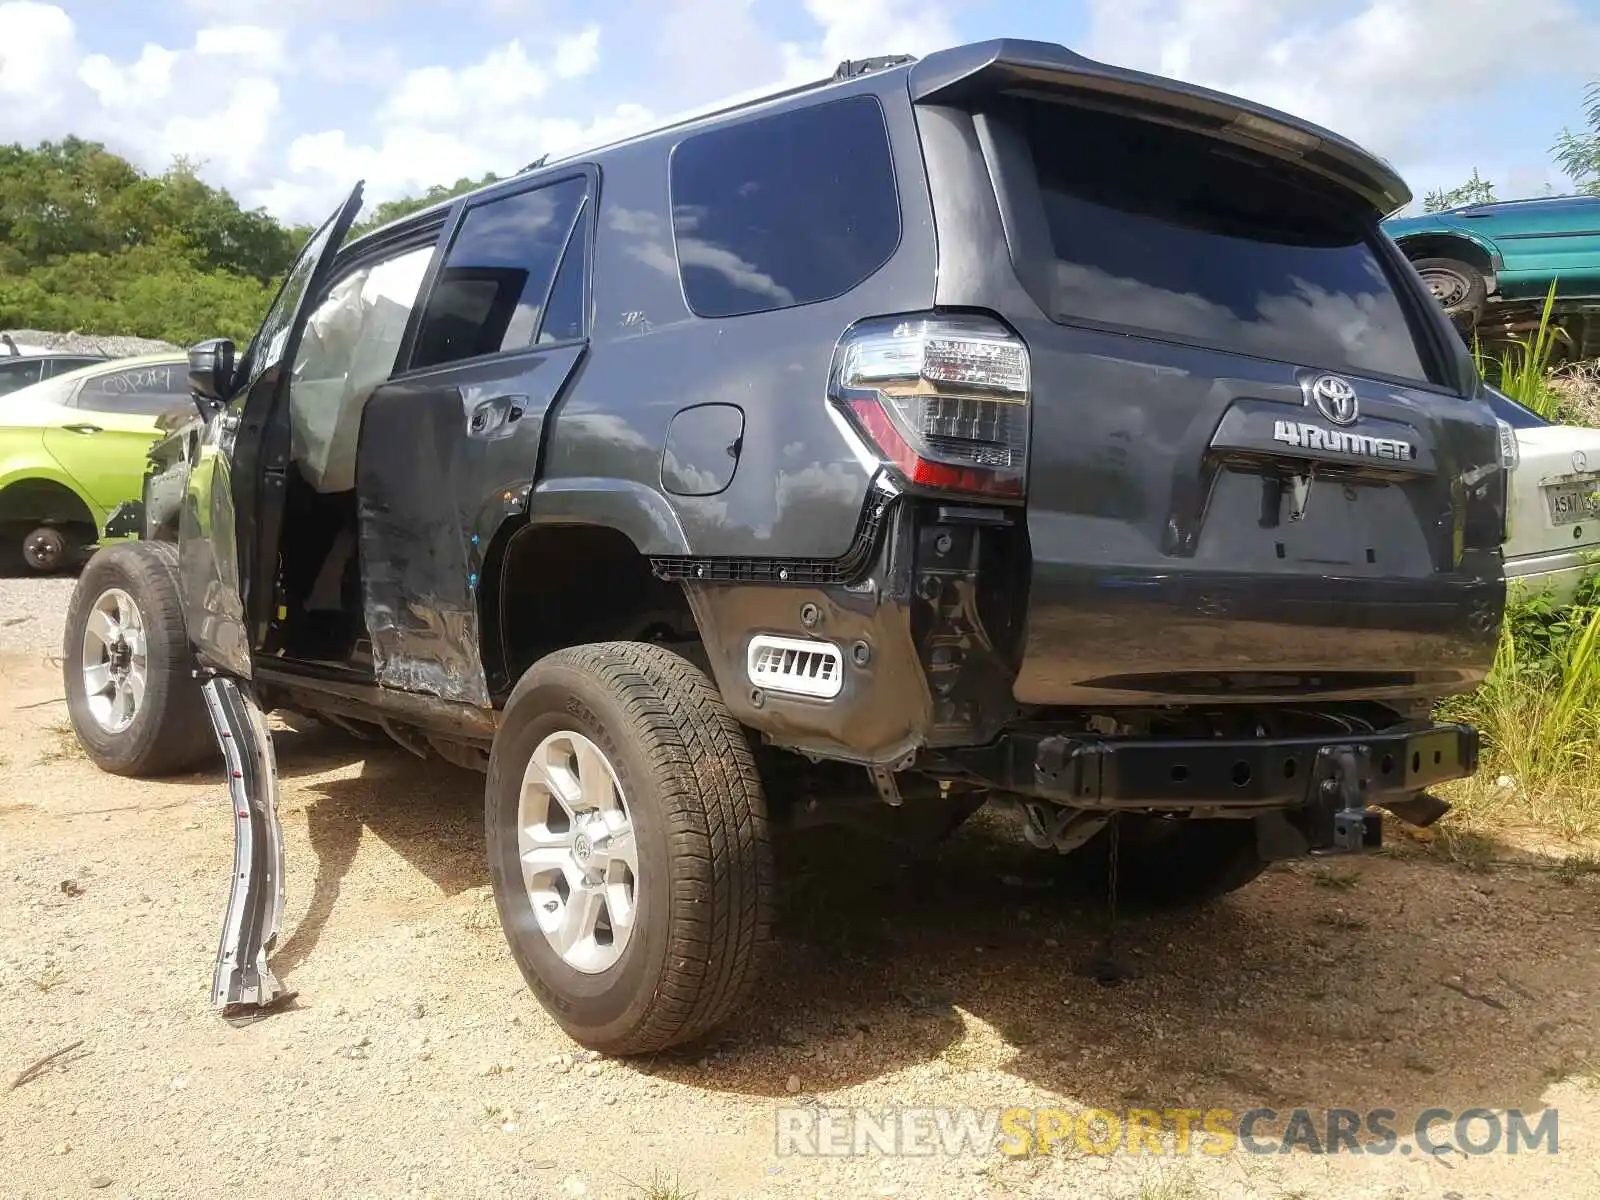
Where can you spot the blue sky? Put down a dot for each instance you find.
(287, 104)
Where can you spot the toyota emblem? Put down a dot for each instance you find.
(1335, 399)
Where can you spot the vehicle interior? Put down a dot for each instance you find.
(348, 349)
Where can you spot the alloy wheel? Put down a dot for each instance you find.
(580, 863)
(115, 660)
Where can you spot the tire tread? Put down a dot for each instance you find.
(714, 813)
(179, 738)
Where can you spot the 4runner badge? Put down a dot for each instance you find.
(1314, 437)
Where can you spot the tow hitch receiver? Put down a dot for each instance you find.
(243, 981)
(1341, 821)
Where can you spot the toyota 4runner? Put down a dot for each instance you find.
(996, 426)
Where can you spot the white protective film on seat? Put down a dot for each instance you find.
(348, 350)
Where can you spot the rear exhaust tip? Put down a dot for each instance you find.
(1420, 810)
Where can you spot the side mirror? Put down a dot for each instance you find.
(210, 373)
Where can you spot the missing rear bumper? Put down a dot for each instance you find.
(1313, 794)
(1213, 773)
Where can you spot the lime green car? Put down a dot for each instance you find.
(73, 448)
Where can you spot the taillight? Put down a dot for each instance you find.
(943, 398)
(1510, 455)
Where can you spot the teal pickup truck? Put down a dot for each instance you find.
(1505, 251)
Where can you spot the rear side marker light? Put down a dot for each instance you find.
(945, 400)
(799, 666)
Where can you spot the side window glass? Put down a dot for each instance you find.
(564, 311)
(784, 210)
(349, 348)
(17, 375)
(60, 366)
(142, 391)
(491, 293)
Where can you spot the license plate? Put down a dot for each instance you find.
(1571, 502)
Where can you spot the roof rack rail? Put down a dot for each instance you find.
(854, 68)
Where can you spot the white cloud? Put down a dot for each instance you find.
(718, 46)
(148, 78)
(37, 50)
(329, 58)
(1395, 75)
(235, 91)
(258, 46)
(440, 124)
(503, 80)
(246, 121)
(579, 54)
(151, 109)
(865, 29)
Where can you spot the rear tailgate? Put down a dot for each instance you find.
(1253, 473)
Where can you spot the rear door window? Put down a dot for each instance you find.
(1178, 235)
(491, 294)
(784, 210)
(142, 391)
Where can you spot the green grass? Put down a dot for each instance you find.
(1539, 715)
(1173, 1187)
(48, 979)
(1576, 867)
(1523, 371)
(1539, 709)
(661, 1187)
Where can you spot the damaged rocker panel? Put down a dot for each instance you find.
(243, 980)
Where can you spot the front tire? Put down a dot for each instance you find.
(628, 846)
(131, 693)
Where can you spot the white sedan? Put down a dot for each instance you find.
(1554, 538)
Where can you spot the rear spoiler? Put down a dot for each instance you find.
(1022, 68)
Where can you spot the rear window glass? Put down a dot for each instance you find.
(784, 210)
(1175, 234)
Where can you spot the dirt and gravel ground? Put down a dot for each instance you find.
(415, 1063)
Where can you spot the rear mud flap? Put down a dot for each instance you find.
(243, 984)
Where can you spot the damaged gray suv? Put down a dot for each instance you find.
(1000, 426)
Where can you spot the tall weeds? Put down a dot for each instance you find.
(1539, 716)
(1522, 370)
(1539, 710)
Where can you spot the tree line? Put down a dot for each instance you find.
(89, 242)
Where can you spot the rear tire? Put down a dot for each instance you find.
(1165, 864)
(46, 550)
(1459, 288)
(667, 935)
(131, 693)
